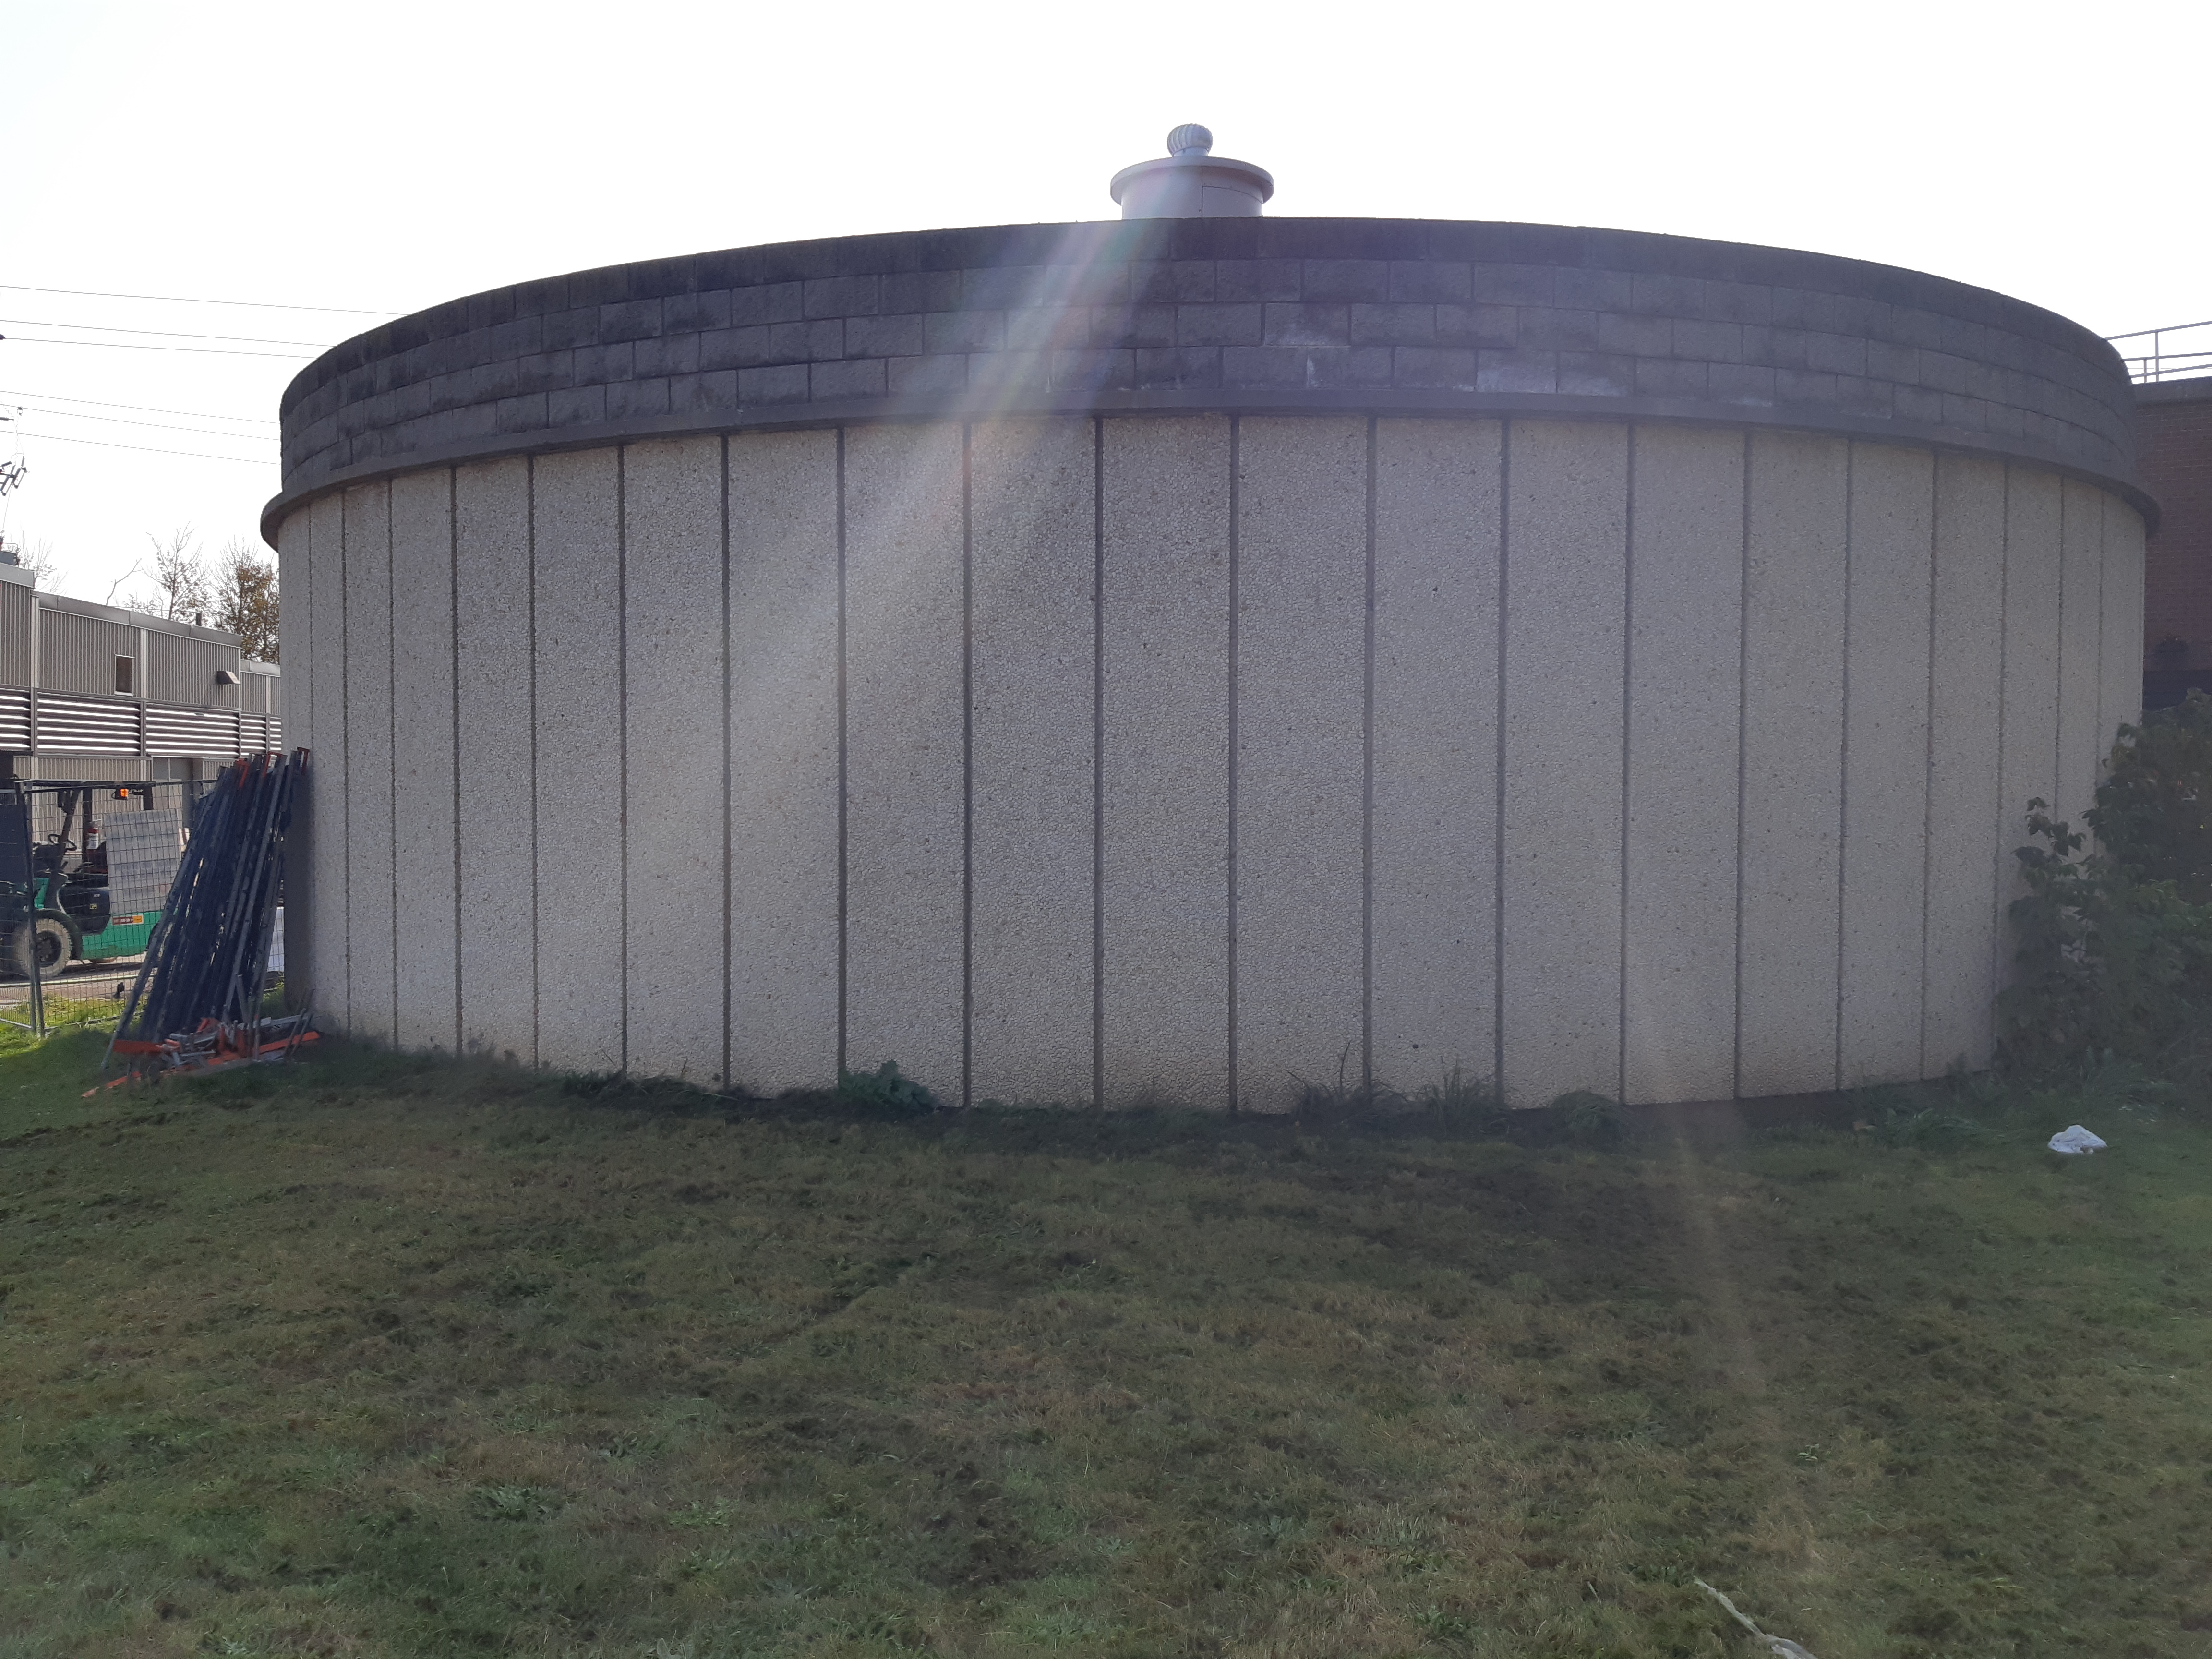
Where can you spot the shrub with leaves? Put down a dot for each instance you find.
(2153, 811)
(884, 1092)
(2111, 959)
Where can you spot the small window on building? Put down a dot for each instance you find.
(125, 667)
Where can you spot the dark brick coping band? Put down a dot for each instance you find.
(1374, 314)
(2176, 391)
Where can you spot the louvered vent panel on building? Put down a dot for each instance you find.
(191, 731)
(180, 669)
(77, 653)
(15, 720)
(87, 725)
(15, 635)
(275, 732)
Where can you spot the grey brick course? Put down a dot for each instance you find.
(1266, 309)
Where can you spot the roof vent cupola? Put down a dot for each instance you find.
(1192, 183)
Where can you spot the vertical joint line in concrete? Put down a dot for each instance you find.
(844, 869)
(454, 684)
(622, 714)
(391, 742)
(1928, 772)
(345, 737)
(1844, 779)
(967, 762)
(1367, 796)
(2103, 748)
(530, 495)
(1498, 825)
(1236, 502)
(1742, 750)
(1098, 762)
(1628, 667)
(2059, 675)
(729, 963)
(2004, 698)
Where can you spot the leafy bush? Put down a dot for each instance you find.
(2115, 944)
(884, 1093)
(2110, 961)
(2153, 811)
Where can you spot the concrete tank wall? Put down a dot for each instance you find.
(1159, 755)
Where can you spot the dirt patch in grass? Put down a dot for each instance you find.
(379, 1357)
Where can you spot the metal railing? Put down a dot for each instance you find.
(2159, 362)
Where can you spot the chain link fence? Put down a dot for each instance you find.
(85, 868)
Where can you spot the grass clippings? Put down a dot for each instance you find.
(366, 1356)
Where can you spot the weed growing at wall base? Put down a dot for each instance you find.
(376, 1357)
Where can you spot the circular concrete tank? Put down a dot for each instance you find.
(1172, 658)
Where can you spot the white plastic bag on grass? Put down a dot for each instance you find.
(2076, 1142)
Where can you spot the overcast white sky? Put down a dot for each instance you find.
(391, 156)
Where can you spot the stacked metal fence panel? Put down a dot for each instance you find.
(207, 959)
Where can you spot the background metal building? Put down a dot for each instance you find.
(92, 691)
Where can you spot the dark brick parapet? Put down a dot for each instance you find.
(1216, 312)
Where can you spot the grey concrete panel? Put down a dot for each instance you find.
(576, 597)
(673, 703)
(2030, 714)
(295, 552)
(1886, 764)
(1165, 857)
(1032, 568)
(369, 872)
(1435, 809)
(903, 759)
(783, 760)
(1792, 763)
(1964, 755)
(422, 756)
(1565, 599)
(2082, 742)
(1301, 674)
(2122, 651)
(325, 699)
(498, 880)
(1686, 609)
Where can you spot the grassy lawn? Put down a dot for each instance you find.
(384, 1357)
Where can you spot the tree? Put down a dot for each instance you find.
(181, 590)
(246, 601)
(38, 558)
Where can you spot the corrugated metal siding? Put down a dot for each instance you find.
(15, 720)
(87, 725)
(270, 687)
(253, 694)
(183, 669)
(15, 635)
(191, 731)
(121, 768)
(77, 653)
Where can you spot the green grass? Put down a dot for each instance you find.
(373, 1356)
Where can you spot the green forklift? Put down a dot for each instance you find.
(62, 912)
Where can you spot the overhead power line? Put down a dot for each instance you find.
(147, 449)
(142, 409)
(165, 426)
(160, 333)
(186, 299)
(135, 346)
